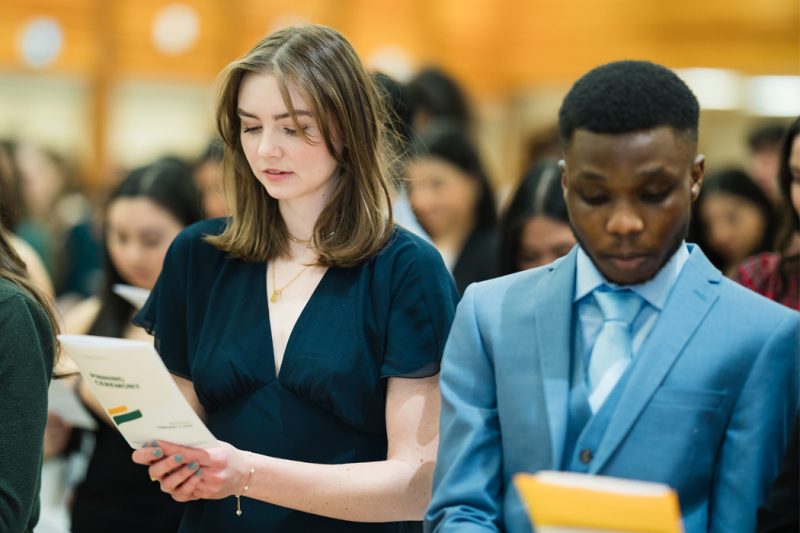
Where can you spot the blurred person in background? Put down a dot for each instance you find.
(58, 220)
(535, 230)
(764, 144)
(543, 143)
(208, 175)
(27, 353)
(10, 210)
(433, 96)
(453, 200)
(143, 215)
(399, 131)
(776, 275)
(733, 219)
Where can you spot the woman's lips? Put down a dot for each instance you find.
(275, 175)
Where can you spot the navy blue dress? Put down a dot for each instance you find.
(388, 317)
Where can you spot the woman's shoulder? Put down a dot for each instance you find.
(192, 239)
(407, 256)
(405, 245)
(10, 291)
(16, 302)
(199, 230)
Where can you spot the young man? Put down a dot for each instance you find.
(632, 356)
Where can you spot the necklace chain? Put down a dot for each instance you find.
(276, 291)
(298, 241)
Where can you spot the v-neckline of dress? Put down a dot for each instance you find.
(276, 373)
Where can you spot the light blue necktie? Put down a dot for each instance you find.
(614, 343)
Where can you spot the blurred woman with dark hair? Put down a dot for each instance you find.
(777, 275)
(535, 228)
(143, 215)
(733, 219)
(451, 196)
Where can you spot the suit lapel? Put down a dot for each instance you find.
(553, 318)
(694, 293)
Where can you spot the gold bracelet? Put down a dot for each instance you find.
(246, 485)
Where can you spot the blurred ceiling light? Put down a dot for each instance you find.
(714, 88)
(39, 42)
(175, 29)
(775, 96)
(392, 60)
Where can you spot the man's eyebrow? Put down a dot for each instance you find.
(657, 172)
(590, 175)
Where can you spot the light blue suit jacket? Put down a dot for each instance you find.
(707, 408)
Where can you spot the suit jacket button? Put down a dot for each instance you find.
(586, 456)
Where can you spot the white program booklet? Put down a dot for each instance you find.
(136, 390)
(136, 296)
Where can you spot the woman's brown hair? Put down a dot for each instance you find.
(13, 269)
(320, 63)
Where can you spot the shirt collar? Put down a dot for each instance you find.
(654, 291)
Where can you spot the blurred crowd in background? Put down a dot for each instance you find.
(78, 234)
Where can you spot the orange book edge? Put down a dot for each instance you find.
(566, 499)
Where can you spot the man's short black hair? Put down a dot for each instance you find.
(628, 96)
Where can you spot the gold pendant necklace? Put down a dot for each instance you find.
(276, 292)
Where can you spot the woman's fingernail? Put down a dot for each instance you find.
(146, 445)
(154, 443)
(192, 465)
(178, 458)
(153, 478)
(198, 472)
(157, 452)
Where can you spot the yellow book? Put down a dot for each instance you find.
(571, 502)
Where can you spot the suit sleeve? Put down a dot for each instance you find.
(467, 489)
(757, 432)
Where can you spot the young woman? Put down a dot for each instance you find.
(777, 275)
(535, 229)
(733, 219)
(307, 329)
(27, 351)
(452, 198)
(143, 215)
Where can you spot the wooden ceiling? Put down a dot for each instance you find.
(493, 46)
(497, 48)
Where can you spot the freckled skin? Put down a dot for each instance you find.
(629, 198)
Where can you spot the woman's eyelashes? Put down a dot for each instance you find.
(288, 130)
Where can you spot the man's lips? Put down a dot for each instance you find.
(626, 261)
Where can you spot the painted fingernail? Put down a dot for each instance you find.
(192, 465)
(198, 472)
(146, 445)
(154, 443)
(157, 452)
(178, 458)
(153, 478)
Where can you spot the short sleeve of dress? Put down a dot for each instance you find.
(423, 303)
(164, 315)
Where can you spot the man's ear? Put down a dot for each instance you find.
(697, 174)
(562, 166)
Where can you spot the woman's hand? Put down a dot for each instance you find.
(193, 473)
